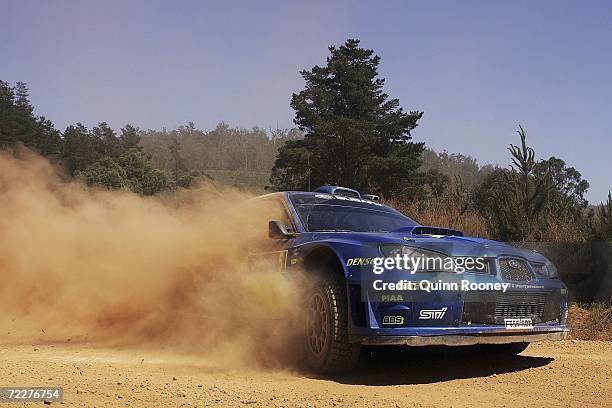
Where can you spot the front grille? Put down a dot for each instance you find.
(493, 308)
(520, 305)
(515, 270)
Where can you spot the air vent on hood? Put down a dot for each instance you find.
(421, 230)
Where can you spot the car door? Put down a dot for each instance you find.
(267, 253)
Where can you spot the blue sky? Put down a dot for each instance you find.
(477, 68)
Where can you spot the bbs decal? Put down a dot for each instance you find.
(393, 319)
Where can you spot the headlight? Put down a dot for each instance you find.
(551, 270)
(539, 268)
(391, 251)
(416, 259)
(430, 261)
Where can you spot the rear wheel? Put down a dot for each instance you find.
(510, 349)
(327, 349)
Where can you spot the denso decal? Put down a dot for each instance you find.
(358, 261)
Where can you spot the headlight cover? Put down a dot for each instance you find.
(426, 260)
(551, 270)
(539, 268)
(432, 261)
(392, 250)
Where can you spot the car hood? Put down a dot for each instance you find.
(450, 245)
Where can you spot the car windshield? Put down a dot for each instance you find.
(323, 212)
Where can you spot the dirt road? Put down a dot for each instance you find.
(570, 373)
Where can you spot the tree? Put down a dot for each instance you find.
(132, 170)
(106, 141)
(79, 149)
(105, 172)
(456, 164)
(22, 98)
(566, 197)
(19, 124)
(521, 202)
(354, 134)
(141, 177)
(130, 139)
(101, 158)
(178, 164)
(292, 169)
(601, 220)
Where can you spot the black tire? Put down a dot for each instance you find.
(510, 349)
(326, 346)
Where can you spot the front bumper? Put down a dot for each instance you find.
(461, 316)
(463, 339)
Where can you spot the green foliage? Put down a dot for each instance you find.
(354, 134)
(105, 172)
(292, 168)
(106, 141)
(97, 156)
(79, 149)
(456, 165)
(520, 203)
(566, 197)
(100, 157)
(350, 133)
(601, 220)
(132, 170)
(130, 139)
(181, 175)
(135, 164)
(493, 200)
(19, 124)
(221, 149)
(142, 178)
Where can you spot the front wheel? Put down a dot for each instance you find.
(327, 349)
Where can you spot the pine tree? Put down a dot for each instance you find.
(354, 134)
(7, 116)
(602, 220)
(130, 139)
(519, 202)
(18, 124)
(107, 143)
(79, 149)
(22, 98)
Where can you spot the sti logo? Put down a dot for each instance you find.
(435, 314)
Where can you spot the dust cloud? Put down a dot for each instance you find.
(110, 267)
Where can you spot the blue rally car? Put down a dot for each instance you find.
(351, 249)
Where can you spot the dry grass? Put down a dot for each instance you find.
(442, 212)
(556, 229)
(591, 322)
(455, 210)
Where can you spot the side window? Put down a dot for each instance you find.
(283, 215)
(274, 209)
(265, 210)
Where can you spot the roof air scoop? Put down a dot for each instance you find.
(339, 191)
(370, 197)
(422, 230)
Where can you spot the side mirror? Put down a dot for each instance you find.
(277, 230)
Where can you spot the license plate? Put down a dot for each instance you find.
(518, 323)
